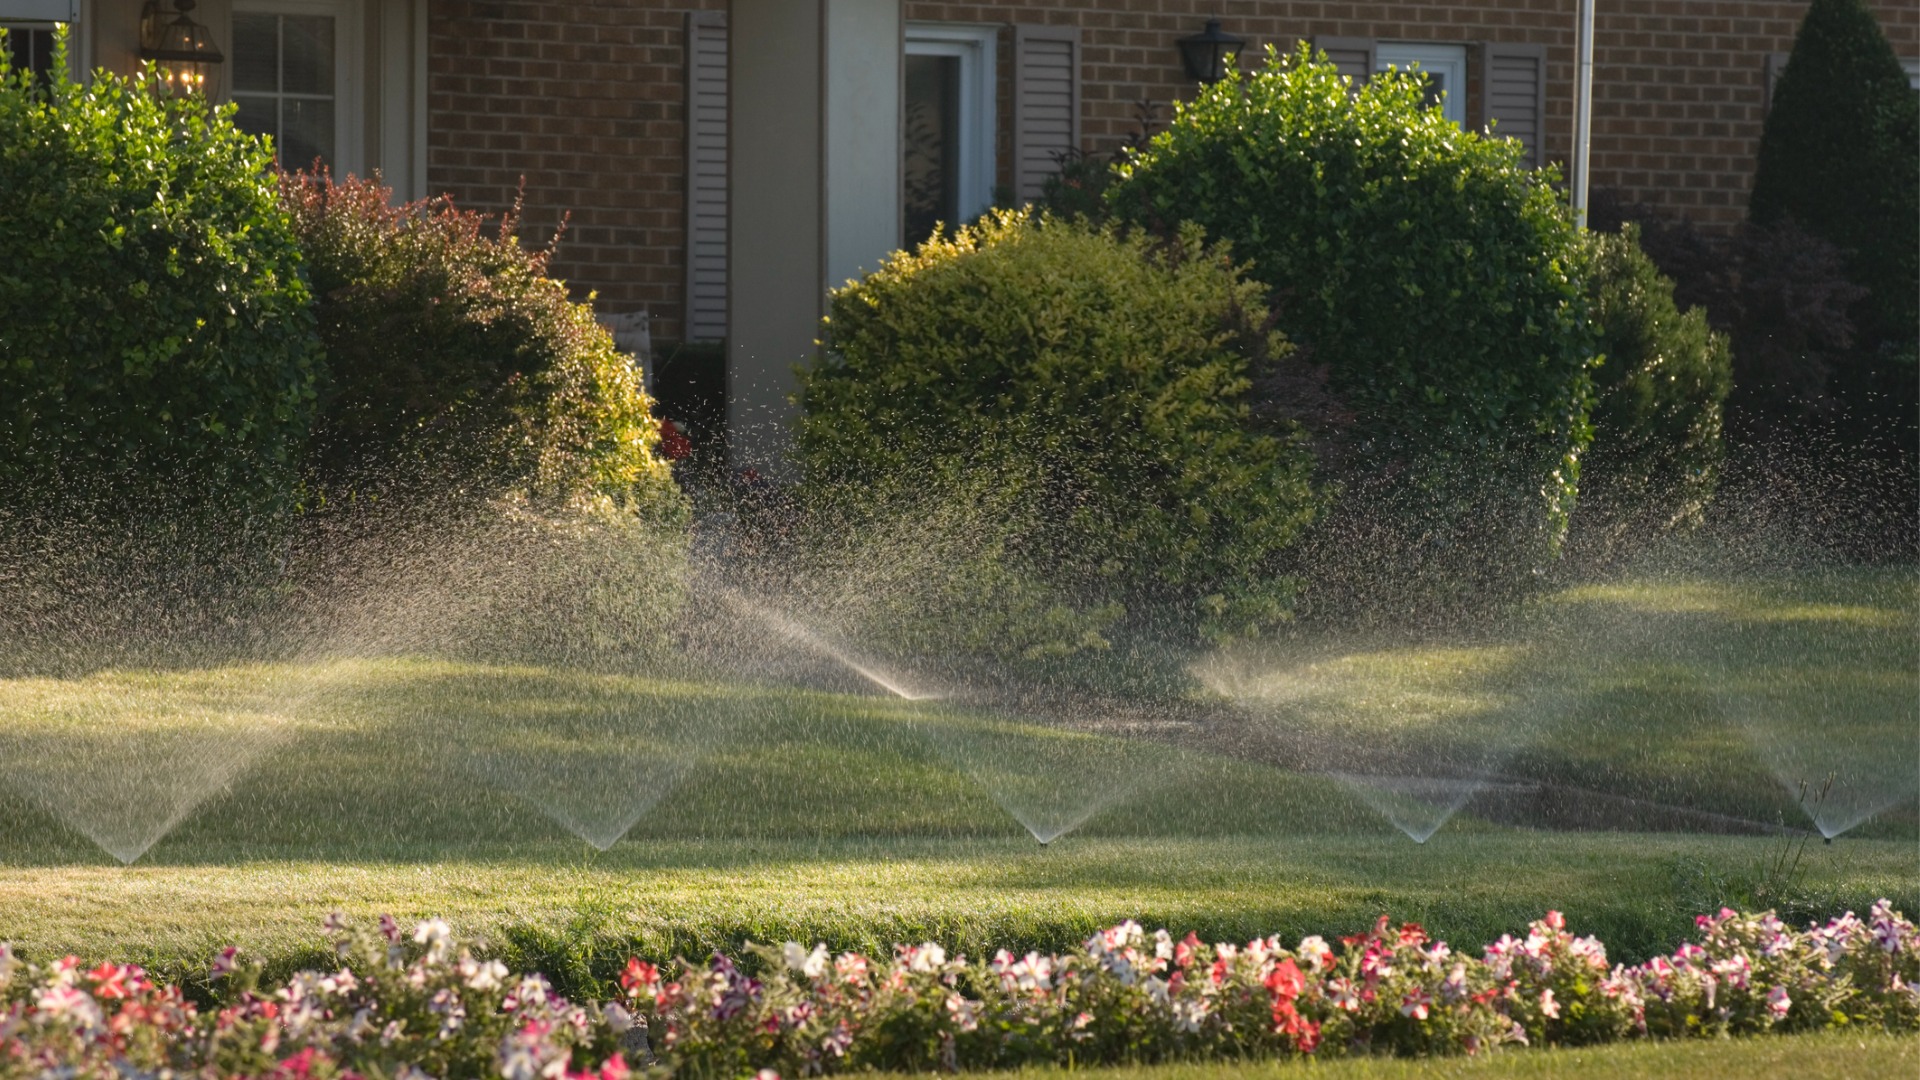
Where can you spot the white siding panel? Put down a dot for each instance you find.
(1046, 104)
(1515, 96)
(706, 294)
(1353, 56)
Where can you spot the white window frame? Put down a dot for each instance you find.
(976, 47)
(1448, 61)
(349, 62)
(1912, 64)
(42, 12)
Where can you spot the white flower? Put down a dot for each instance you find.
(1190, 1013)
(66, 1001)
(966, 1014)
(927, 958)
(437, 936)
(1314, 951)
(487, 976)
(1156, 989)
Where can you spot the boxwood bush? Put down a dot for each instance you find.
(156, 346)
(453, 359)
(1102, 383)
(1428, 269)
(1659, 395)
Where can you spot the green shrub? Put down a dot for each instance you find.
(1840, 154)
(453, 359)
(1101, 383)
(156, 346)
(1427, 268)
(1659, 393)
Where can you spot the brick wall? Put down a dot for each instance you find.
(584, 100)
(1678, 84)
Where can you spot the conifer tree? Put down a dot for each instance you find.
(1840, 154)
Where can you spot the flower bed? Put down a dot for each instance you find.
(420, 1004)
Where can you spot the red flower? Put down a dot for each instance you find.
(639, 978)
(675, 445)
(1285, 981)
(1183, 952)
(297, 1067)
(110, 981)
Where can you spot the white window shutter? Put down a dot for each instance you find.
(1046, 104)
(1775, 64)
(706, 318)
(1354, 56)
(1513, 95)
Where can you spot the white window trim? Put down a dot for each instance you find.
(40, 12)
(976, 47)
(76, 39)
(1450, 61)
(349, 61)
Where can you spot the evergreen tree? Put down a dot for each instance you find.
(1841, 155)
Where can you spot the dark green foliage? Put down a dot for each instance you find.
(1079, 189)
(1426, 268)
(156, 346)
(1840, 154)
(453, 358)
(1099, 385)
(1656, 450)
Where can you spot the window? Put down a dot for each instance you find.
(30, 48)
(1445, 67)
(947, 145)
(1912, 64)
(292, 80)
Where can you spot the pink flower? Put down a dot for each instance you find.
(1415, 1003)
(1549, 1008)
(1778, 1003)
(225, 963)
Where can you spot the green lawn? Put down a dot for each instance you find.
(569, 814)
(1788, 1057)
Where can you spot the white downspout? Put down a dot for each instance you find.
(1582, 111)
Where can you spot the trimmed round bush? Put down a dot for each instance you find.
(1658, 398)
(453, 359)
(1101, 386)
(157, 350)
(1427, 268)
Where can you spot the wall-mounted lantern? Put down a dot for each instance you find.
(1206, 53)
(181, 49)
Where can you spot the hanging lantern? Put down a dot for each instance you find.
(1207, 52)
(182, 50)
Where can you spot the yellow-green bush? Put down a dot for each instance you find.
(453, 358)
(1101, 383)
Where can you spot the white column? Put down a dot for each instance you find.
(814, 199)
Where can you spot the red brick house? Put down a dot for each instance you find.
(722, 162)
